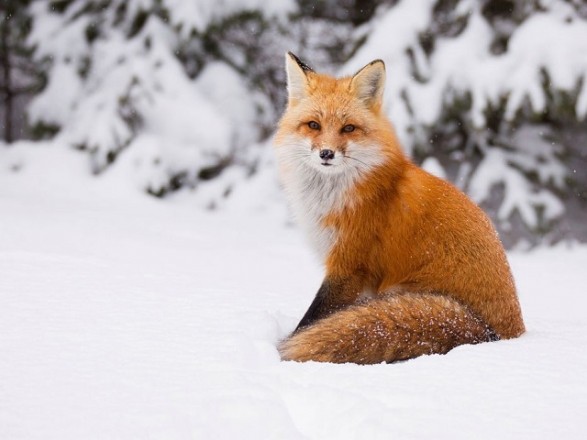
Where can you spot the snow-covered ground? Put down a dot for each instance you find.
(126, 317)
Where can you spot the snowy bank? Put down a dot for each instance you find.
(123, 316)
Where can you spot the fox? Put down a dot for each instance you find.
(412, 266)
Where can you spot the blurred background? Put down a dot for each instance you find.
(184, 95)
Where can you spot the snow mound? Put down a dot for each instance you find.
(122, 316)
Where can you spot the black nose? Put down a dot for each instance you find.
(326, 154)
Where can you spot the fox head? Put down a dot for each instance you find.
(333, 125)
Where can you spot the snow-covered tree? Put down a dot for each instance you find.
(490, 93)
(186, 87)
(113, 82)
(490, 89)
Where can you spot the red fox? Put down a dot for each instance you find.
(413, 266)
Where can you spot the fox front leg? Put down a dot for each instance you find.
(334, 294)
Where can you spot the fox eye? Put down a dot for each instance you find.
(314, 125)
(348, 128)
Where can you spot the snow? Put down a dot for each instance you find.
(123, 316)
(434, 167)
(229, 93)
(407, 20)
(196, 87)
(540, 60)
(135, 96)
(201, 14)
(519, 195)
(546, 41)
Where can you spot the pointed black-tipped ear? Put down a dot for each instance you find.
(297, 79)
(369, 82)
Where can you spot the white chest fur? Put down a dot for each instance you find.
(315, 192)
(312, 196)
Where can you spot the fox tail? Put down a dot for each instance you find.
(389, 329)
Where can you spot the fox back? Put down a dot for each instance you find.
(391, 235)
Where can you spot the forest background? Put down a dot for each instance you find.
(185, 95)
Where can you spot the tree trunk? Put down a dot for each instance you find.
(7, 81)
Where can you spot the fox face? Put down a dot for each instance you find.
(331, 125)
(331, 139)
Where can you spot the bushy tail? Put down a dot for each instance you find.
(387, 330)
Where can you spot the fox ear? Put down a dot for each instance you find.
(369, 82)
(297, 80)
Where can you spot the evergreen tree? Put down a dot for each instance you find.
(481, 87)
(119, 68)
(183, 93)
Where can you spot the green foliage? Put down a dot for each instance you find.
(469, 128)
(42, 131)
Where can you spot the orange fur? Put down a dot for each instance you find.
(389, 329)
(388, 229)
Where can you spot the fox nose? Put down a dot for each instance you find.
(326, 154)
